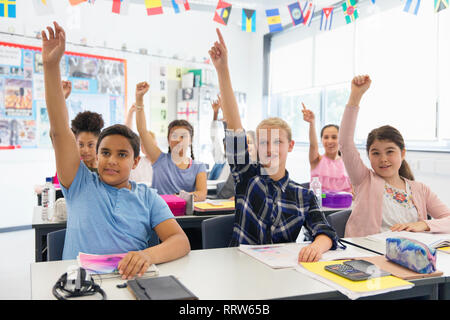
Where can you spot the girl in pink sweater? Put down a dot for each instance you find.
(387, 197)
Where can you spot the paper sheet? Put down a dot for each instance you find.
(285, 255)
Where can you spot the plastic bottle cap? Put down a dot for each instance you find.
(49, 179)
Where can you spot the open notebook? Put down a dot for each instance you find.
(106, 263)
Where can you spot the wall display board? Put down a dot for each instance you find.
(98, 85)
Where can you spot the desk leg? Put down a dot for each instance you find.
(40, 244)
(444, 291)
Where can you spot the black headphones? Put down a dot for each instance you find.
(83, 285)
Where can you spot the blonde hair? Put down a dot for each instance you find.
(277, 123)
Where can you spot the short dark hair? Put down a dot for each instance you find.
(87, 121)
(123, 131)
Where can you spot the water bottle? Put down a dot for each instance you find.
(48, 200)
(316, 187)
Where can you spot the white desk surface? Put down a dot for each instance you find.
(442, 260)
(217, 274)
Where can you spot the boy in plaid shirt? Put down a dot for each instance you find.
(270, 208)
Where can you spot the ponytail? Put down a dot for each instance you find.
(405, 171)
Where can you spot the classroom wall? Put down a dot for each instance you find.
(188, 35)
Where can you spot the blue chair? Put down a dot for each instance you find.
(217, 231)
(55, 244)
(338, 220)
(215, 171)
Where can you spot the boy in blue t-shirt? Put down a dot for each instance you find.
(107, 213)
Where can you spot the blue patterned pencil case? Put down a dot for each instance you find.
(411, 254)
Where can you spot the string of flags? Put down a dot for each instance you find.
(301, 12)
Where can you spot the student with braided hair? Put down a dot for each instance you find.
(173, 171)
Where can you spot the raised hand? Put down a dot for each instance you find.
(308, 115)
(67, 88)
(360, 84)
(53, 46)
(216, 105)
(219, 52)
(141, 89)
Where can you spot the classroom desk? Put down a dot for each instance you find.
(442, 261)
(224, 274)
(42, 228)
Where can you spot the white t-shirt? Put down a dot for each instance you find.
(143, 172)
(398, 207)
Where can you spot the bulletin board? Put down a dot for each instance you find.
(98, 84)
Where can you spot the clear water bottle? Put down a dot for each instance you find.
(48, 200)
(316, 187)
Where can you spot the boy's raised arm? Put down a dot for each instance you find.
(66, 151)
(219, 57)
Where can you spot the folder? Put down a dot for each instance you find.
(353, 289)
(160, 288)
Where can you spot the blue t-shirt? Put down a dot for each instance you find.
(169, 179)
(102, 219)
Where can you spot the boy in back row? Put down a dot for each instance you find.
(107, 213)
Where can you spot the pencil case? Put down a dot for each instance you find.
(337, 199)
(411, 254)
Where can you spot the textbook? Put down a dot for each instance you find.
(352, 289)
(106, 263)
(433, 240)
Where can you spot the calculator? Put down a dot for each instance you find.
(347, 272)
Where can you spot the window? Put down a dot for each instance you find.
(405, 55)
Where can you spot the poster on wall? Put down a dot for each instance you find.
(98, 85)
(159, 76)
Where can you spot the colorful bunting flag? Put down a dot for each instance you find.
(327, 18)
(180, 5)
(116, 6)
(373, 1)
(43, 7)
(248, 20)
(350, 10)
(76, 2)
(308, 12)
(274, 20)
(222, 13)
(120, 7)
(8, 8)
(410, 8)
(440, 5)
(296, 13)
(154, 7)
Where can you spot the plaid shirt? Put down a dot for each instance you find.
(269, 211)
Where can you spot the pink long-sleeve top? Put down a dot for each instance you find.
(366, 216)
